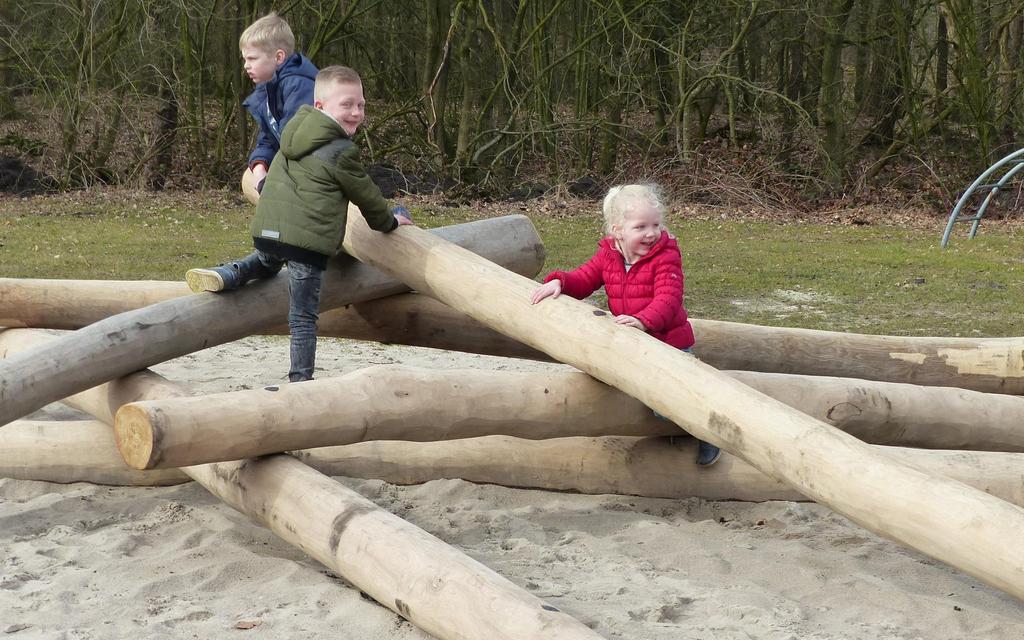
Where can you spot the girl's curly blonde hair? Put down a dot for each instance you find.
(621, 199)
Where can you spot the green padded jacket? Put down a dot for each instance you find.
(304, 202)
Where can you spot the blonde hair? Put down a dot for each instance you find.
(622, 199)
(269, 33)
(331, 76)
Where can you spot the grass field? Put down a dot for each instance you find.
(868, 278)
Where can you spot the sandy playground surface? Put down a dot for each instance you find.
(87, 561)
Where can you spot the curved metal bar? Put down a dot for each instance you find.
(970, 191)
(991, 194)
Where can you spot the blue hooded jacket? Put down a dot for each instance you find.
(274, 102)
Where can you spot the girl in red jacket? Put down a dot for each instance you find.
(639, 264)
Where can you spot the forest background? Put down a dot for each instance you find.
(786, 105)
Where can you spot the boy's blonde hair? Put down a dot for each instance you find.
(269, 33)
(622, 199)
(333, 75)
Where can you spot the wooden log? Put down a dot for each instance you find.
(404, 318)
(393, 402)
(992, 365)
(439, 589)
(945, 519)
(893, 413)
(419, 577)
(249, 183)
(625, 465)
(375, 403)
(73, 304)
(137, 339)
(142, 385)
(67, 451)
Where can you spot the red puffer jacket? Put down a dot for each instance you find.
(651, 291)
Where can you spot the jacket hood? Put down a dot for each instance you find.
(307, 131)
(296, 65)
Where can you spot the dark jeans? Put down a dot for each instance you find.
(304, 282)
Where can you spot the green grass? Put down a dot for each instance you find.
(869, 279)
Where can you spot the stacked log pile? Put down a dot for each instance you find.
(918, 440)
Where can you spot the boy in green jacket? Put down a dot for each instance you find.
(300, 218)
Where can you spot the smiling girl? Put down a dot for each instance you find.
(639, 264)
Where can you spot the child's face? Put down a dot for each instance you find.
(639, 231)
(261, 64)
(344, 102)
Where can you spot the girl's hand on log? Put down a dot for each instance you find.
(630, 321)
(552, 289)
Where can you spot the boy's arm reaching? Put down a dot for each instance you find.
(362, 192)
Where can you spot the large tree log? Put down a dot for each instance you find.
(420, 404)
(894, 413)
(71, 451)
(948, 520)
(137, 339)
(439, 589)
(651, 467)
(434, 586)
(428, 405)
(73, 304)
(994, 365)
(404, 318)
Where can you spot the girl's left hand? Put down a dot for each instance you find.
(630, 321)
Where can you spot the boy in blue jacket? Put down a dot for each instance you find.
(284, 82)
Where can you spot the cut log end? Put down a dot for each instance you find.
(134, 434)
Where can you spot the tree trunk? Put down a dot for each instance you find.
(830, 103)
(376, 403)
(163, 136)
(993, 365)
(71, 451)
(404, 403)
(941, 58)
(650, 467)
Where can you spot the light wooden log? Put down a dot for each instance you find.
(67, 451)
(137, 339)
(375, 403)
(404, 318)
(392, 402)
(436, 587)
(893, 413)
(625, 465)
(439, 589)
(249, 183)
(993, 365)
(948, 520)
(73, 304)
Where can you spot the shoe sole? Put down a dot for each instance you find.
(200, 280)
(711, 461)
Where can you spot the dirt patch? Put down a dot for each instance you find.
(783, 303)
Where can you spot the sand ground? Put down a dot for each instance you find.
(88, 561)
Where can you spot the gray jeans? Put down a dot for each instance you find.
(304, 282)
